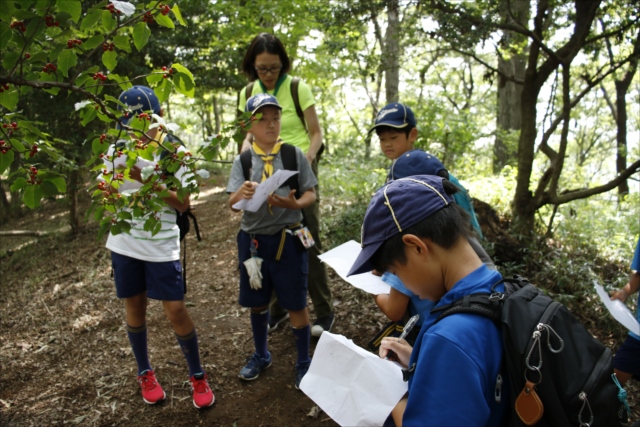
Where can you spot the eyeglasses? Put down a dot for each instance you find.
(272, 70)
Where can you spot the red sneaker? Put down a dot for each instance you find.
(152, 392)
(202, 394)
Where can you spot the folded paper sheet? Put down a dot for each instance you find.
(351, 385)
(619, 311)
(263, 190)
(342, 257)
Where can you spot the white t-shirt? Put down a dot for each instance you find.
(141, 244)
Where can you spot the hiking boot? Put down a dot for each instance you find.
(202, 394)
(152, 392)
(323, 324)
(301, 371)
(274, 321)
(255, 365)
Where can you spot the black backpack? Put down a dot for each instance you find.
(289, 162)
(559, 374)
(182, 218)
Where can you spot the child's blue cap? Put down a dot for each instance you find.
(139, 99)
(395, 115)
(260, 100)
(395, 207)
(416, 162)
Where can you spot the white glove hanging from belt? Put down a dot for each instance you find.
(253, 266)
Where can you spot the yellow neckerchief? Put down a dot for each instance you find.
(267, 171)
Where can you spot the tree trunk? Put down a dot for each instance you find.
(72, 194)
(391, 52)
(512, 63)
(622, 87)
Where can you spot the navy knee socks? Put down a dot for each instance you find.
(138, 340)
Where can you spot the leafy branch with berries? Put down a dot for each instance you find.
(53, 46)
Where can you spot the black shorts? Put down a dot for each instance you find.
(627, 358)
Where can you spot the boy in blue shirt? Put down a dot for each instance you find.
(414, 229)
(396, 128)
(627, 360)
(269, 235)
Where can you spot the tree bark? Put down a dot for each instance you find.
(512, 63)
(524, 204)
(391, 52)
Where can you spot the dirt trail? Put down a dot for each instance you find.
(65, 356)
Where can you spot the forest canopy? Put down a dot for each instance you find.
(545, 94)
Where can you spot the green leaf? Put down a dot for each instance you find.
(10, 59)
(5, 161)
(90, 20)
(6, 12)
(66, 60)
(183, 80)
(32, 196)
(60, 183)
(141, 33)
(90, 113)
(123, 82)
(48, 189)
(122, 42)
(176, 12)
(109, 23)
(9, 98)
(155, 78)
(92, 42)
(17, 145)
(163, 91)
(110, 59)
(5, 35)
(73, 8)
(164, 20)
(18, 184)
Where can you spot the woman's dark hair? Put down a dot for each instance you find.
(264, 42)
(443, 228)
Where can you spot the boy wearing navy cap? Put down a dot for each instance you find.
(414, 229)
(148, 266)
(268, 241)
(396, 125)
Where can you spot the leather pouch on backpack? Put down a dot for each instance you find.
(528, 405)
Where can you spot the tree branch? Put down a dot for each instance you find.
(571, 195)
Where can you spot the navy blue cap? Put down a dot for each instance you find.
(415, 162)
(260, 100)
(395, 115)
(139, 99)
(395, 207)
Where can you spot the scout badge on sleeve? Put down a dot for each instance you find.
(253, 265)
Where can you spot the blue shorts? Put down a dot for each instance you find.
(160, 280)
(287, 277)
(627, 358)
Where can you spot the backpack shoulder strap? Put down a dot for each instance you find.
(484, 304)
(295, 83)
(245, 161)
(290, 162)
(248, 90)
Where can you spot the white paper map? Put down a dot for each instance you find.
(342, 257)
(619, 311)
(351, 385)
(263, 190)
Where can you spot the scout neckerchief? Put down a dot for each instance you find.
(267, 171)
(281, 80)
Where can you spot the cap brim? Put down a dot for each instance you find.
(391, 125)
(266, 104)
(362, 263)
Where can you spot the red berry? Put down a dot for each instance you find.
(27, 55)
